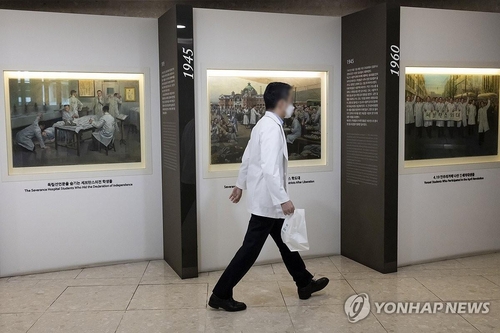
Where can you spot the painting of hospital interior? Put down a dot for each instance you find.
(236, 104)
(451, 115)
(68, 119)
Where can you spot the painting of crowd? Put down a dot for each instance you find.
(233, 116)
(449, 116)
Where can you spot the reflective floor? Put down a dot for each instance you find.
(149, 297)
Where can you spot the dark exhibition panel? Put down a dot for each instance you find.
(369, 172)
(175, 31)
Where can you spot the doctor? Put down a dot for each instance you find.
(263, 173)
(25, 137)
(471, 116)
(428, 108)
(482, 117)
(253, 117)
(106, 126)
(98, 104)
(114, 104)
(75, 105)
(296, 129)
(409, 113)
(419, 116)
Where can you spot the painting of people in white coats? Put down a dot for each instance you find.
(73, 119)
(451, 116)
(236, 104)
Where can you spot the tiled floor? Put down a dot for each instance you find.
(148, 297)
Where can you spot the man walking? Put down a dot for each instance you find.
(263, 173)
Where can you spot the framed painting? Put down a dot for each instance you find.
(45, 115)
(130, 94)
(236, 104)
(451, 116)
(86, 88)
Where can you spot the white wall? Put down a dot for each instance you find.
(447, 220)
(47, 231)
(246, 40)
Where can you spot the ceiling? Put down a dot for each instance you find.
(158, 7)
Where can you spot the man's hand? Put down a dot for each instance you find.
(288, 208)
(236, 195)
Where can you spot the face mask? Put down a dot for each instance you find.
(289, 111)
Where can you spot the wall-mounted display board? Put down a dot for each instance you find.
(451, 116)
(369, 171)
(178, 140)
(266, 56)
(448, 172)
(54, 119)
(60, 209)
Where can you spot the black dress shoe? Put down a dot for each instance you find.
(312, 287)
(227, 304)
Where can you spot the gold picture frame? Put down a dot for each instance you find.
(76, 157)
(130, 94)
(310, 90)
(86, 88)
(450, 123)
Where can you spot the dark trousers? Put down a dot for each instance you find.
(481, 138)
(409, 128)
(429, 131)
(258, 229)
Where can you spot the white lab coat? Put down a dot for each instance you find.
(471, 114)
(440, 108)
(114, 103)
(316, 118)
(409, 113)
(74, 105)
(263, 171)
(296, 131)
(451, 107)
(67, 116)
(419, 114)
(97, 105)
(482, 116)
(245, 118)
(428, 106)
(24, 137)
(462, 107)
(106, 129)
(253, 116)
(307, 117)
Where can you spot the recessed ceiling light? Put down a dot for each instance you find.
(180, 26)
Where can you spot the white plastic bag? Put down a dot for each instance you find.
(294, 231)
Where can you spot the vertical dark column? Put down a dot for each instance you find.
(370, 121)
(178, 140)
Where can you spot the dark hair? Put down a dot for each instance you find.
(72, 92)
(66, 105)
(115, 94)
(105, 108)
(99, 90)
(276, 91)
